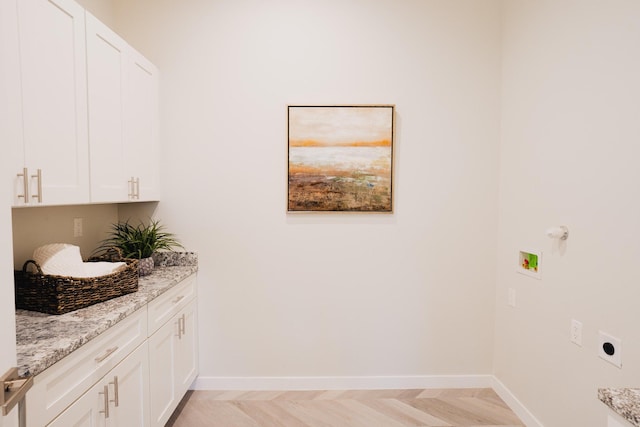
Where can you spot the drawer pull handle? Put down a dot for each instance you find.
(106, 354)
(178, 299)
(115, 400)
(106, 401)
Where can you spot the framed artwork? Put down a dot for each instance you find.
(340, 158)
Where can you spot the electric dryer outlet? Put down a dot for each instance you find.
(610, 348)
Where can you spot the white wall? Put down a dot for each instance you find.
(571, 120)
(101, 9)
(330, 295)
(36, 226)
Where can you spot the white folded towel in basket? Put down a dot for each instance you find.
(63, 259)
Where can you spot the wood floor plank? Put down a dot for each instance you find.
(365, 416)
(380, 394)
(406, 414)
(452, 414)
(214, 414)
(266, 414)
(498, 413)
(313, 413)
(301, 395)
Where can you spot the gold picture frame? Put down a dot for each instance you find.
(340, 158)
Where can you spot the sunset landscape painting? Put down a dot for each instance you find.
(340, 158)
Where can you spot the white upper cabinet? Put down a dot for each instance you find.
(52, 58)
(106, 59)
(86, 109)
(141, 127)
(123, 111)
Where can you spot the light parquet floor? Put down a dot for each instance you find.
(355, 408)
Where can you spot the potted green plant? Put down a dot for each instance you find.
(139, 242)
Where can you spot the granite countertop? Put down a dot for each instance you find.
(623, 401)
(43, 339)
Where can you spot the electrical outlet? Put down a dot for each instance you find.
(610, 348)
(77, 227)
(575, 333)
(512, 297)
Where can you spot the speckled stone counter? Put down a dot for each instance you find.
(623, 401)
(175, 259)
(44, 339)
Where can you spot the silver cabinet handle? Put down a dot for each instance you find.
(25, 184)
(108, 352)
(177, 299)
(106, 401)
(38, 176)
(132, 190)
(115, 400)
(181, 326)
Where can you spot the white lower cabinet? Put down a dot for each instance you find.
(120, 398)
(130, 391)
(615, 420)
(134, 374)
(172, 363)
(187, 349)
(62, 384)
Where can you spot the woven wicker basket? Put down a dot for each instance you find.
(62, 294)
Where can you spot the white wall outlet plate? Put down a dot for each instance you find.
(511, 298)
(77, 227)
(575, 333)
(610, 348)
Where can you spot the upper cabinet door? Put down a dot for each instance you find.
(106, 68)
(123, 118)
(54, 100)
(141, 127)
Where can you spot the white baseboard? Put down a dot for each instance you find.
(341, 383)
(370, 383)
(516, 406)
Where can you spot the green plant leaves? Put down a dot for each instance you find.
(139, 241)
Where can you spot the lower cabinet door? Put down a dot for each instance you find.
(162, 381)
(187, 349)
(119, 399)
(173, 363)
(128, 391)
(87, 411)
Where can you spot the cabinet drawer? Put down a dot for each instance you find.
(61, 384)
(170, 303)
